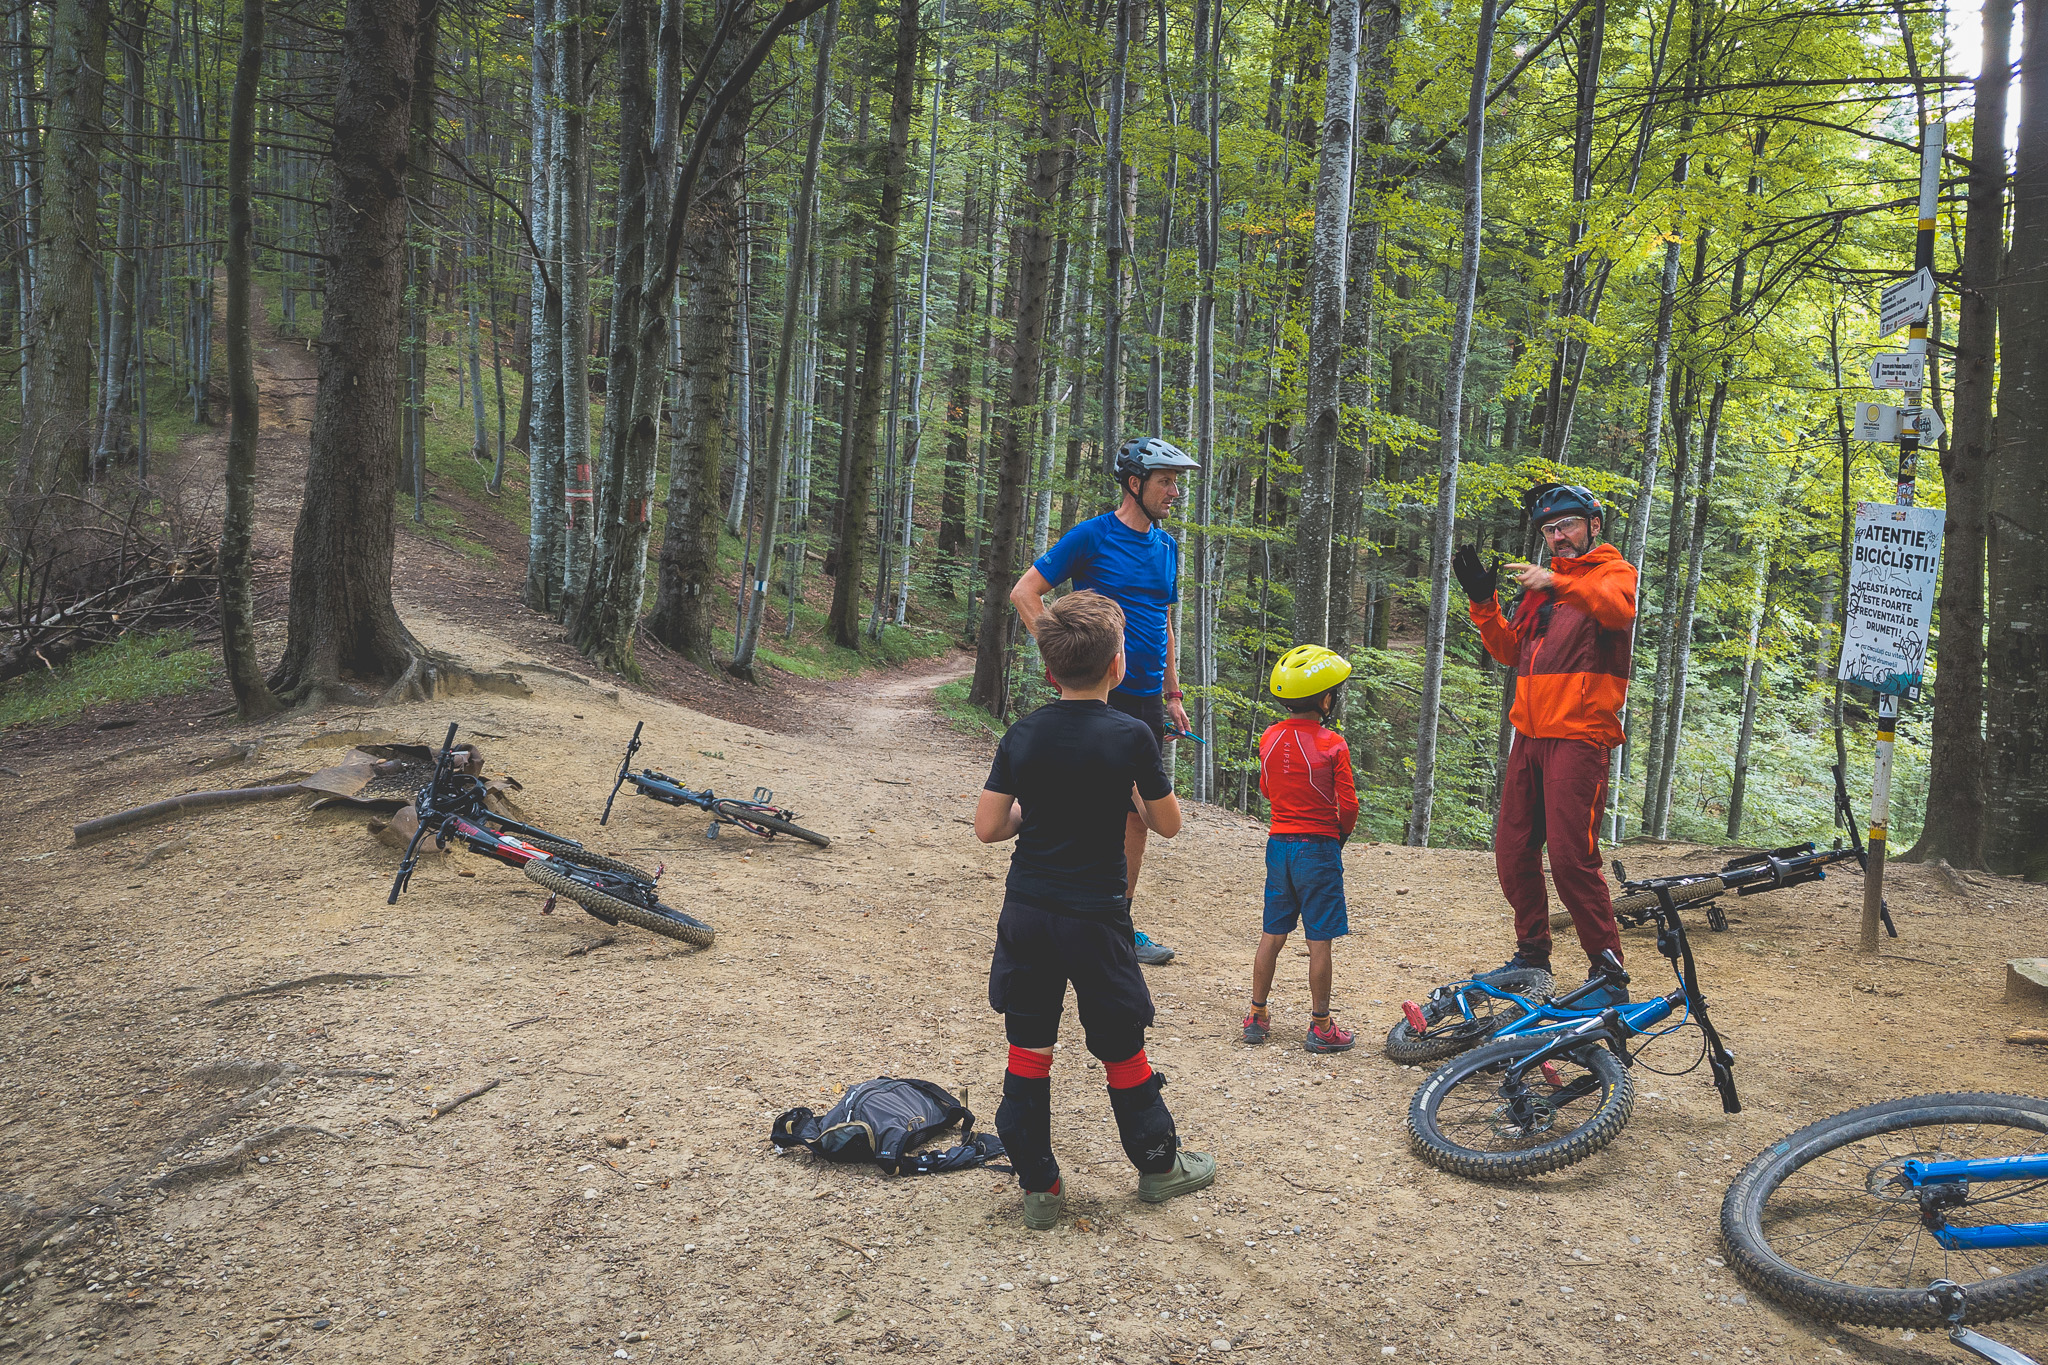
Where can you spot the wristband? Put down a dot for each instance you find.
(1175, 696)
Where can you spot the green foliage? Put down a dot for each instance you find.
(132, 668)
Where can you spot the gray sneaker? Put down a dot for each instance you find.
(1042, 1211)
(1191, 1171)
(1150, 953)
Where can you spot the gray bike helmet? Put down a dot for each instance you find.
(1148, 453)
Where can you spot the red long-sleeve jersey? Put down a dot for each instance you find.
(1305, 771)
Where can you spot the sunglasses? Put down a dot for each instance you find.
(1563, 526)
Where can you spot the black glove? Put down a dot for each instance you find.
(1478, 580)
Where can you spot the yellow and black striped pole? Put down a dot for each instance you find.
(1931, 144)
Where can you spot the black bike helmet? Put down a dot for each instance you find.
(1550, 500)
(1146, 454)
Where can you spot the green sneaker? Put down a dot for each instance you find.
(1191, 1171)
(1042, 1211)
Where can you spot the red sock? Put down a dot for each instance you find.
(1129, 1072)
(1031, 1065)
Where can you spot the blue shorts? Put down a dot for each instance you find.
(1305, 883)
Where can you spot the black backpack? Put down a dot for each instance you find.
(881, 1120)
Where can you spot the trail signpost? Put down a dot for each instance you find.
(1908, 300)
(1881, 422)
(1891, 574)
(1892, 565)
(1898, 370)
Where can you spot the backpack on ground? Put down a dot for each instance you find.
(882, 1120)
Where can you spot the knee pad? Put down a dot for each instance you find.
(1024, 1123)
(1035, 1030)
(1146, 1126)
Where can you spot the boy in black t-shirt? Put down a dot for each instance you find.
(1062, 781)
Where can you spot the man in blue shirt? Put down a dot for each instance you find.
(1128, 557)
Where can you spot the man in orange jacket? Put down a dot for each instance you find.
(1569, 644)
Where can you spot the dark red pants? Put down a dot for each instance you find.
(1552, 796)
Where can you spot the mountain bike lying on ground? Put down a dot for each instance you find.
(1911, 1213)
(451, 807)
(760, 815)
(1465, 1014)
(1552, 1088)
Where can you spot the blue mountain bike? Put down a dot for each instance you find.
(1552, 1087)
(1465, 1014)
(1876, 1215)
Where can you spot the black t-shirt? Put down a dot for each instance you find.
(1071, 765)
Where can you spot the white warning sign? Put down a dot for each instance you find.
(1892, 566)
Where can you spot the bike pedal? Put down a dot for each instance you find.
(1551, 1075)
(1413, 1013)
(712, 833)
(548, 907)
(659, 868)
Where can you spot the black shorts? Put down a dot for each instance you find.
(1039, 952)
(1151, 710)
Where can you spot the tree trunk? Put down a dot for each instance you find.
(1015, 424)
(844, 622)
(1382, 23)
(682, 615)
(1326, 300)
(639, 330)
(785, 355)
(117, 395)
(343, 627)
(1954, 828)
(542, 421)
(1437, 632)
(953, 536)
(238, 524)
(1752, 688)
(2016, 708)
(57, 427)
(1114, 229)
(571, 150)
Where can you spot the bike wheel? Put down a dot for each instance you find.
(1489, 1013)
(1815, 1223)
(1460, 1122)
(583, 857)
(756, 819)
(661, 919)
(1639, 906)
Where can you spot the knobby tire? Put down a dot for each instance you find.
(665, 920)
(1841, 1243)
(571, 853)
(1442, 1133)
(744, 814)
(1409, 1048)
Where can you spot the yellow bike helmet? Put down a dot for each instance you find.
(1307, 670)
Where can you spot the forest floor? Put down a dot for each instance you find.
(199, 1174)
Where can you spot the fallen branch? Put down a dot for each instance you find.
(2029, 1037)
(593, 946)
(524, 1022)
(231, 1161)
(486, 1088)
(1312, 1189)
(280, 987)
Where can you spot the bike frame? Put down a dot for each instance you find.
(1942, 1185)
(1612, 1026)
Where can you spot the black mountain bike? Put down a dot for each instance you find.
(451, 807)
(759, 816)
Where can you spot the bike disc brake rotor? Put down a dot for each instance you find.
(1884, 1180)
(1542, 1114)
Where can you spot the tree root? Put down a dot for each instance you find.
(280, 987)
(232, 1160)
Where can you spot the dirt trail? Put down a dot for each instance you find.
(614, 1197)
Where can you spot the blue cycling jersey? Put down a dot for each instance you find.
(1140, 572)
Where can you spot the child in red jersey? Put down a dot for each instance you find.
(1305, 773)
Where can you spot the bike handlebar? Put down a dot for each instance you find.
(625, 771)
(422, 809)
